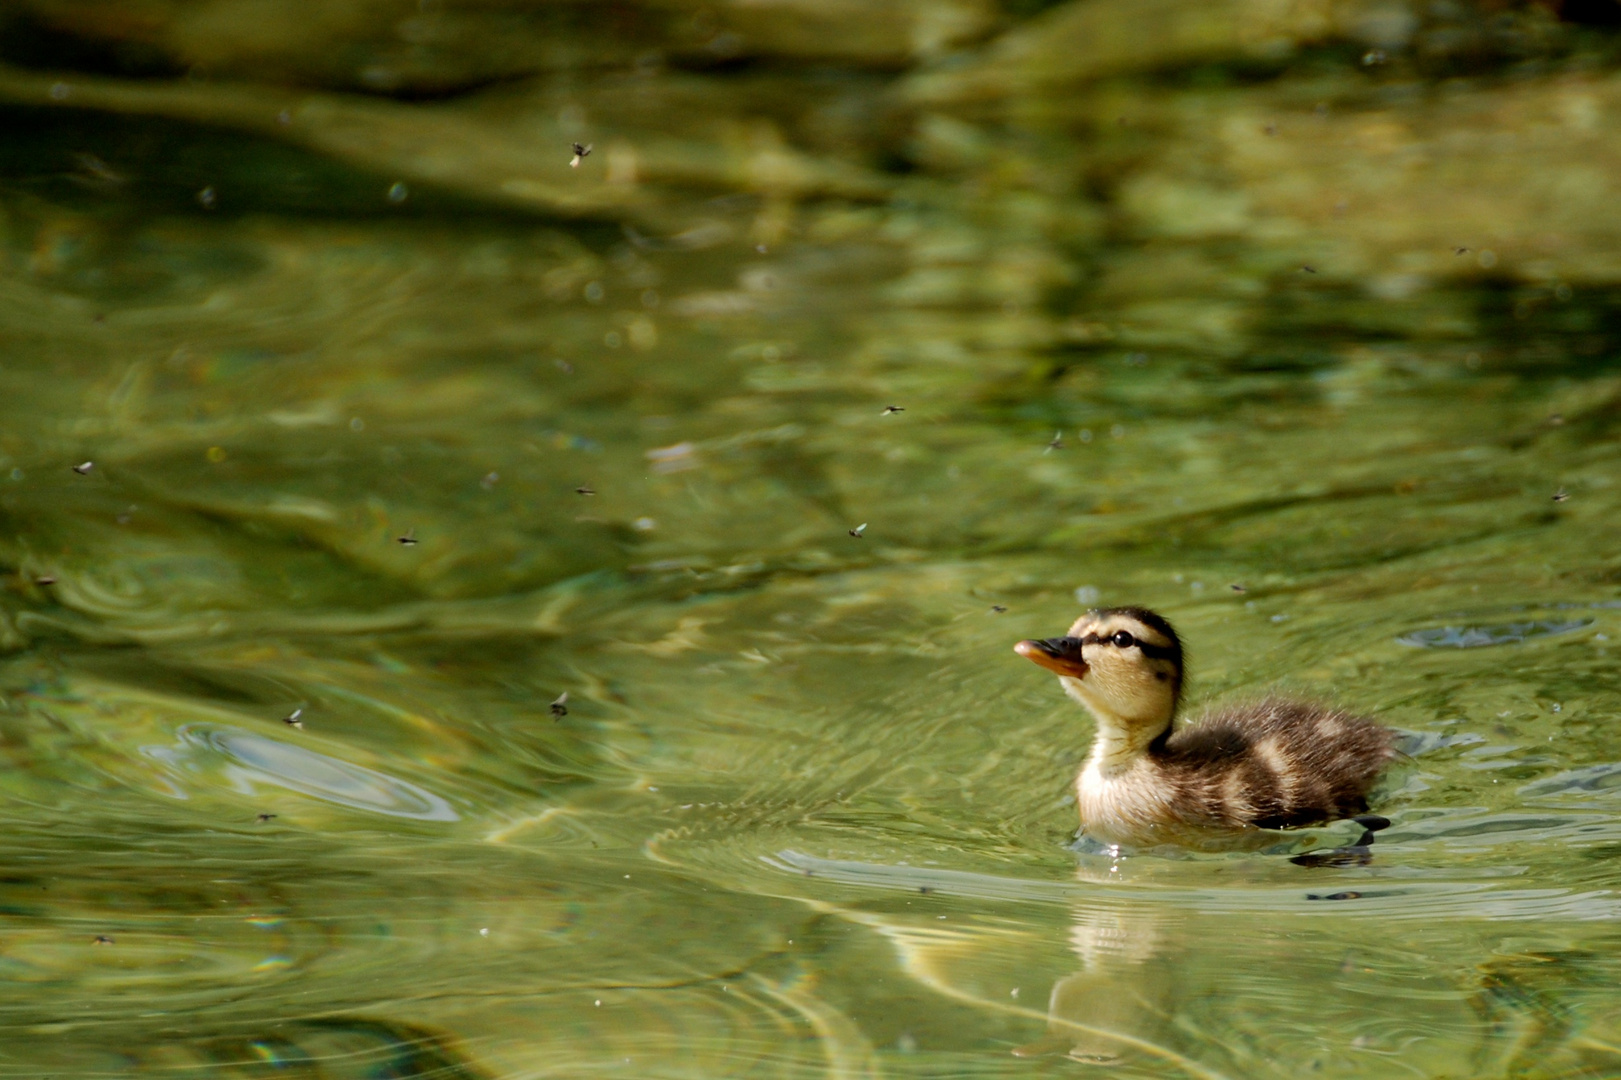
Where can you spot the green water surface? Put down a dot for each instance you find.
(806, 813)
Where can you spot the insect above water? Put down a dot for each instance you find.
(263, 817)
(585, 489)
(560, 706)
(102, 939)
(580, 154)
(45, 580)
(84, 470)
(858, 530)
(409, 538)
(998, 608)
(1561, 495)
(893, 409)
(1237, 587)
(1056, 444)
(292, 718)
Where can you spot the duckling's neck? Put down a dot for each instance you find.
(1120, 741)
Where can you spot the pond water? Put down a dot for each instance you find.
(384, 414)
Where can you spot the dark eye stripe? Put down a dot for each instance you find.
(1159, 652)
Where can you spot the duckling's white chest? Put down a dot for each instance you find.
(1122, 801)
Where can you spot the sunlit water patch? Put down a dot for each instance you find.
(245, 760)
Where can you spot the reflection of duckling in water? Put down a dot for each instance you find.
(1270, 764)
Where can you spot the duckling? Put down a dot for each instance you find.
(1270, 764)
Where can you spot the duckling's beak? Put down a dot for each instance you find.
(1061, 655)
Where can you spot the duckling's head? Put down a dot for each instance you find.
(1123, 664)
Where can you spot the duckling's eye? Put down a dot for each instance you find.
(1123, 640)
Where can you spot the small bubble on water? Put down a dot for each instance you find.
(357, 424)
(398, 192)
(1087, 594)
(594, 292)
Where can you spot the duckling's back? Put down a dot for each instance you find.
(1271, 764)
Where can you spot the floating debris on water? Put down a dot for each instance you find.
(84, 469)
(585, 489)
(676, 458)
(292, 718)
(888, 409)
(409, 539)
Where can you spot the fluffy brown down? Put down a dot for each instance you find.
(1271, 764)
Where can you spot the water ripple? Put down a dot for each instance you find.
(1475, 637)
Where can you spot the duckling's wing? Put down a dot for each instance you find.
(1276, 763)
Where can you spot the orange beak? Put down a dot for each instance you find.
(1062, 656)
